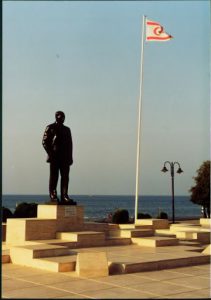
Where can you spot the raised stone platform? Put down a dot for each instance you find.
(53, 240)
(58, 218)
(121, 259)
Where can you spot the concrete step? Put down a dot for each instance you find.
(126, 226)
(155, 223)
(26, 255)
(108, 241)
(131, 233)
(5, 257)
(132, 226)
(165, 232)
(184, 227)
(155, 241)
(57, 264)
(3, 231)
(157, 264)
(39, 250)
(117, 241)
(81, 236)
(189, 228)
(202, 237)
(207, 250)
(205, 222)
(46, 257)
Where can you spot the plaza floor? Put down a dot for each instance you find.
(149, 273)
(182, 283)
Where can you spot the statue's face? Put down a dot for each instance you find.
(60, 117)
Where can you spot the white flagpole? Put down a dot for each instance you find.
(139, 120)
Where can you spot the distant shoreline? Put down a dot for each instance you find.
(100, 207)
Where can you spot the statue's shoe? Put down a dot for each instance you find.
(67, 201)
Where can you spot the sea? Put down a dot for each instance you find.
(97, 207)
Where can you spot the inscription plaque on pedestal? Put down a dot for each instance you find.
(70, 211)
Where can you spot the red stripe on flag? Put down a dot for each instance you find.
(152, 23)
(159, 38)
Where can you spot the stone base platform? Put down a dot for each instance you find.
(121, 259)
(54, 239)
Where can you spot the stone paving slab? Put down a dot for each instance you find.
(28, 283)
(178, 282)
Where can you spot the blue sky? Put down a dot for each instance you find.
(83, 57)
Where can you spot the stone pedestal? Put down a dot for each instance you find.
(92, 264)
(61, 212)
(50, 220)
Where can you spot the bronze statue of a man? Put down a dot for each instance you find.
(57, 141)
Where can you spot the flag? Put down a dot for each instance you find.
(155, 32)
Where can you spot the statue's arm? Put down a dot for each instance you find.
(70, 147)
(47, 140)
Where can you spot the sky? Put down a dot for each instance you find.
(83, 57)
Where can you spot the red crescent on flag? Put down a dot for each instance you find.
(158, 30)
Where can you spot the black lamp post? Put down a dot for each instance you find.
(179, 171)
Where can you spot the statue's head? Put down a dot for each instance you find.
(60, 117)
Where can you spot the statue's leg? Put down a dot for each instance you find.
(64, 170)
(53, 180)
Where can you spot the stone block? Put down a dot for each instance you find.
(51, 219)
(25, 229)
(5, 256)
(66, 226)
(165, 232)
(16, 231)
(3, 231)
(73, 213)
(207, 250)
(92, 264)
(92, 226)
(131, 233)
(24, 257)
(182, 227)
(126, 226)
(81, 236)
(117, 241)
(37, 251)
(200, 236)
(205, 222)
(156, 223)
(59, 263)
